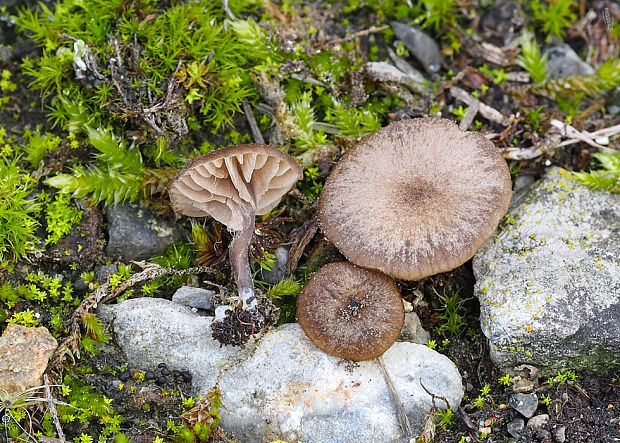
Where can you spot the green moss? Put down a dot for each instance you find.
(17, 211)
(60, 218)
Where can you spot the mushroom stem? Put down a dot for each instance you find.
(239, 259)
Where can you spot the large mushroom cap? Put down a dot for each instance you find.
(416, 198)
(223, 182)
(351, 312)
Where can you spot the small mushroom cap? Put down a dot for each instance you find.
(224, 182)
(416, 198)
(351, 312)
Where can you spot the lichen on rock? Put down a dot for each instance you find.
(549, 282)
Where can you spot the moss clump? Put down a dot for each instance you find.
(17, 211)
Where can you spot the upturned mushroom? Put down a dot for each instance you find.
(233, 185)
(351, 312)
(416, 198)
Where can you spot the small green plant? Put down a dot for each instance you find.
(449, 312)
(534, 117)
(446, 418)
(498, 75)
(554, 15)
(26, 318)
(284, 288)
(532, 60)
(505, 380)
(607, 178)
(479, 401)
(546, 399)
(562, 378)
(60, 218)
(439, 14)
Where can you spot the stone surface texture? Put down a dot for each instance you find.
(137, 233)
(413, 331)
(549, 282)
(24, 354)
(153, 330)
(563, 61)
(281, 386)
(290, 390)
(194, 297)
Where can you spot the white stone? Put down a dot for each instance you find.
(549, 282)
(153, 330)
(290, 390)
(283, 387)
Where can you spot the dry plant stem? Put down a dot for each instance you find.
(486, 111)
(239, 258)
(403, 420)
(249, 115)
(52, 409)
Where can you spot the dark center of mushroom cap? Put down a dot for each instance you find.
(351, 312)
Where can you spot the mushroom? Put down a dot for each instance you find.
(233, 185)
(351, 312)
(355, 314)
(416, 198)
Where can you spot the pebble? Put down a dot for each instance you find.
(538, 421)
(137, 233)
(515, 427)
(278, 272)
(420, 45)
(24, 355)
(524, 404)
(560, 434)
(563, 61)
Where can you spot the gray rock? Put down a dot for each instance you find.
(290, 390)
(559, 434)
(538, 421)
(524, 404)
(549, 282)
(283, 387)
(563, 61)
(278, 272)
(194, 297)
(419, 44)
(515, 427)
(153, 330)
(413, 331)
(137, 233)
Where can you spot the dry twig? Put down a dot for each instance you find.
(52, 409)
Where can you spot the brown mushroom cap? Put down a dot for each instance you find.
(416, 198)
(351, 312)
(223, 182)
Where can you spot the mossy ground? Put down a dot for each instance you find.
(107, 110)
